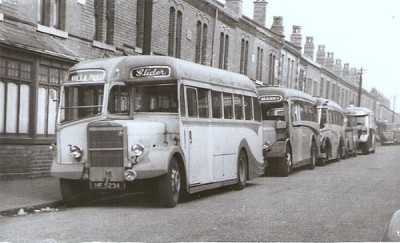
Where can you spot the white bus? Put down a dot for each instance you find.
(366, 127)
(331, 119)
(291, 130)
(126, 119)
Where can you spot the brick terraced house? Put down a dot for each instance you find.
(41, 39)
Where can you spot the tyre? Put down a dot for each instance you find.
(313, 154)
(365, 148)
(169, 186)
(74, 192)
(285, 163)
(323, 161)
(241, 171)
(339, 152)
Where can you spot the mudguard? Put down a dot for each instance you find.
(155, 162)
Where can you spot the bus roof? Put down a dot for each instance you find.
(358, 111)
(178, 69)
(285, 93)
(328, 103)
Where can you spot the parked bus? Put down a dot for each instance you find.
(291, 130)
(186, 126)
(366, 127)
(332, 127)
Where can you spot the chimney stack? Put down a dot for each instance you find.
(260, 12)
(346, 71)
(338, 67)
(321, 55)
(277, 26)
(329, 62)
(296, 37)
(234, 6)
(309, 47)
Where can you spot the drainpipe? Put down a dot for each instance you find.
(147, 32)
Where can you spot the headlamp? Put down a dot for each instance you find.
(76, 151)
(137, 149)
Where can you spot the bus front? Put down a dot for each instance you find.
(112, 132)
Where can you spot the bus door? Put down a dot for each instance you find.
(300, 135)
(199, 143)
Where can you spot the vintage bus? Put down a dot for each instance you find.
(364, 119)
(291, 130)
(185, 126)
(331, 122)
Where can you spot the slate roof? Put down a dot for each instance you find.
(30, 39)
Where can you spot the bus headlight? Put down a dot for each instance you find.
(76, 151)
(137, 149)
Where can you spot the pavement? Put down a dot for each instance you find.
(29, 195)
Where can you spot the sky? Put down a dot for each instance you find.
(363, 33)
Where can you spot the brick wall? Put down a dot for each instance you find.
(24, 161)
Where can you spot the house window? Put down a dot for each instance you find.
(244, 56)
(201, 42)
(15, 88)
(104, 12)
(223, 51)
(271, 78)
(260, 58)
(51, 13)
(49, 85)
(175, 33)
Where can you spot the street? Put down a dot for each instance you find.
(349, 200)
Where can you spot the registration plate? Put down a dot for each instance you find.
(97, 185)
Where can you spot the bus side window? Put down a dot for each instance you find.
(257, 109)
(191, 96)
(182, 100)
(203, 102)
(248, 108)
(216, 104)
(228, 106)
(295, 112)
(238, 107)
(118, 101)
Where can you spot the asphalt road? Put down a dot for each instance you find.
(350, 200)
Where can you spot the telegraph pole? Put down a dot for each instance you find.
(360, 88)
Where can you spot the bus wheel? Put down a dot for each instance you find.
(364, 148)
(241, 171)
(339, 152)
(74, 192)
(313, 153)
(169, 186)
(323, 161)
(285, 163)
